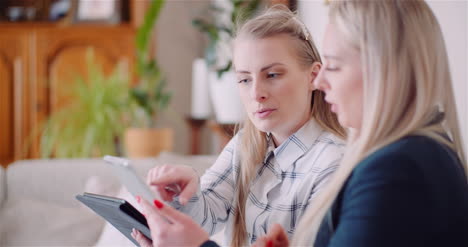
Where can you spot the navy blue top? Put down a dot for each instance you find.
(412, 192)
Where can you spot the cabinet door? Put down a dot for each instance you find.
(61, 59)
(14, 86)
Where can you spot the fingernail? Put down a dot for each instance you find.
(158, 204)
(269, 243)
(138, 198)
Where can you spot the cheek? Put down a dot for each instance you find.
(295, 92)
(355, 86)
(243, 93)
(353, 103)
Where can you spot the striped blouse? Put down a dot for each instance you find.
(285, 184)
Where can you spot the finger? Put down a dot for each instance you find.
(169, 178)
(172, 214)
(162, 192)
(189, 191)
(153, 217)
(159, 175)
(152, 175)
(141, 239)
(278, 234)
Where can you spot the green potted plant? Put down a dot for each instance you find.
(149, 97)
(91, 124)
(218, 25)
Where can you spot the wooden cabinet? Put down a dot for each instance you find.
(13, 84)
(37, 65)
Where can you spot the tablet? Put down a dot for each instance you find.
(134, 184)
(127, 176)
(118, 212)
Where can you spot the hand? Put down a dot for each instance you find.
(276, 237)
(181, 230)
(185, 176)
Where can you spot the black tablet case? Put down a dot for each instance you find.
(121, 214)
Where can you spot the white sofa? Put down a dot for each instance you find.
(38, 205)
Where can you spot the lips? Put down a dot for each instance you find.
(264, 113)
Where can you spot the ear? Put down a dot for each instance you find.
(314, 71)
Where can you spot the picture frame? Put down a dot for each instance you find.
(97, 11)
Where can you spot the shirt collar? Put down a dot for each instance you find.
(295, 146)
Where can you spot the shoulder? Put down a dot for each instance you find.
(329, 138)
(413, 161)
(229, 156)
(325, 154)
(405, 154)
(328, 147)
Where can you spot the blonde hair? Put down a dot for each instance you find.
(404, 62)
(253, 143)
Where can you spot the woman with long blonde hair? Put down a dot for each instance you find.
(288, 147)
(402, 181)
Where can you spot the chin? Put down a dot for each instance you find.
(264, 126)
(344, 122)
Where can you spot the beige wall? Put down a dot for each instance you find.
(178, 44)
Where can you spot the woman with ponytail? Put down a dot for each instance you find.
(285, 152)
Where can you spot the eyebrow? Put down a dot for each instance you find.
(332, 57)
(261, 70)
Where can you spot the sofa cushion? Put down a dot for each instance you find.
(29, 222)
(198, 162)
(60, 180)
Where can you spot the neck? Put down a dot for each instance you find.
(279, 138)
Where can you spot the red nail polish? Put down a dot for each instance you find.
(158, 204)
(138, 198)
(269, 243)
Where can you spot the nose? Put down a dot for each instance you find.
(320, 81)
(258, 92)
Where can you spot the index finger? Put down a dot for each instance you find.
(153, 217)
(154, 178)
(278, 233)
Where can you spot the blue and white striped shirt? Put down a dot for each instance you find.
(285, 183)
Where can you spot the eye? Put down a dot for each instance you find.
(331, 66)
(273, 75)
(243, 81)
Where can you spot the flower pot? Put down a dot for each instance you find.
(225, 97)
(140, 143)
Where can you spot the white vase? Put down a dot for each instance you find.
(225, 97)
